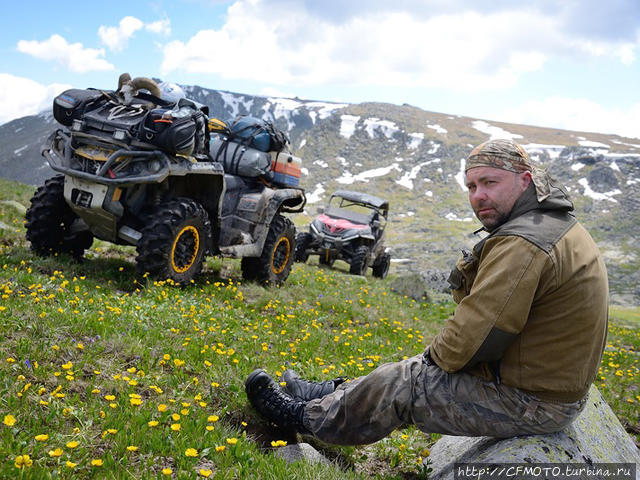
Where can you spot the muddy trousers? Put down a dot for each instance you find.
(416, 391)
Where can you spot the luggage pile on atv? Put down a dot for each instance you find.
(136, 169)
(351, 228)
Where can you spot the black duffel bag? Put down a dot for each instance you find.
(176, 132)
(74, 103)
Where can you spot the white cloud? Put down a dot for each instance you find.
(576, 114)
(116, 38)
(162, 27)
(21, 96)
(73, 56)
(467, 50)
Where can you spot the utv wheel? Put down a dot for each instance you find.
(174, 241)
(50, 220)
(360, 261)
(303, 240)
(274, 265)
(381, 266)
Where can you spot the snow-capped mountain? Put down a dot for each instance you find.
(415, 159)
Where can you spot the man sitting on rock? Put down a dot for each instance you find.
(519, 353)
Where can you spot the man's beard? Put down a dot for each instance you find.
(494, 220)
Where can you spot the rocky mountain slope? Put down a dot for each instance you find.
(415, 159)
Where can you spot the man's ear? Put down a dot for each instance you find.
(525, 179)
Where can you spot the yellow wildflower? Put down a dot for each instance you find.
(72, 444)
(42, 437)
(96, 462)
(167, 471)
(56, 453)
(191, 452)
(9, 420)
(22, 461)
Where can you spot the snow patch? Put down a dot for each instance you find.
(342, 161)
(324, 109)
(302, 143)
(626, 144)
(589, 143)
(437, 128)
(316, 195)
(304, 171)
(348, 178)
(614, 166)
(429, 193)
(495, 132)
(552, 150)
(348, 125)
(407, 179)
(454, 218)
(233, 102)
(598, 196)
(416, 140)
(460, 176)
(577, 166)
(321, 163)
(385, 126)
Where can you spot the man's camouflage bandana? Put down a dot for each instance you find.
(510, 156)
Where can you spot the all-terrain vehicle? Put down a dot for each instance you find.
(350, 228)
(137, 170)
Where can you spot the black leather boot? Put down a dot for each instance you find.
(268, 398)
(305, 390)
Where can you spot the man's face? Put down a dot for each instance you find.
(493, 192)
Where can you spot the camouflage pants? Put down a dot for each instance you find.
(416, 391)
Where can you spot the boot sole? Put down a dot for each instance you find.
(249, 382)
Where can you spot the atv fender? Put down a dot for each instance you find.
(288, 200)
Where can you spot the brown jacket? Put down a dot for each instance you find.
(532, 304)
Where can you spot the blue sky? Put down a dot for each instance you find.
(571, 64)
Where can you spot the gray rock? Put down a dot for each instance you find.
(300, 451)
(436, 280)
(595, 437)
(411, 285)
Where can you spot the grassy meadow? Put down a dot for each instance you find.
(103, 375)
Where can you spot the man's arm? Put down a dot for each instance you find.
(487, 320)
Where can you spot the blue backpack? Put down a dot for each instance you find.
(257, 133)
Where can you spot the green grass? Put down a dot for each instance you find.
(91, 359)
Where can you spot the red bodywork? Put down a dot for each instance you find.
(339, 224)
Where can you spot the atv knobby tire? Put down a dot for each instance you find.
(360, 261)
(50, 220)
(303, 240)
(380, 267)
(274, 265)
(174, 241)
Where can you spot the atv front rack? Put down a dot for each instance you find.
(119, 166)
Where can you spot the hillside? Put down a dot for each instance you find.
(105, 377)
(414, 158)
